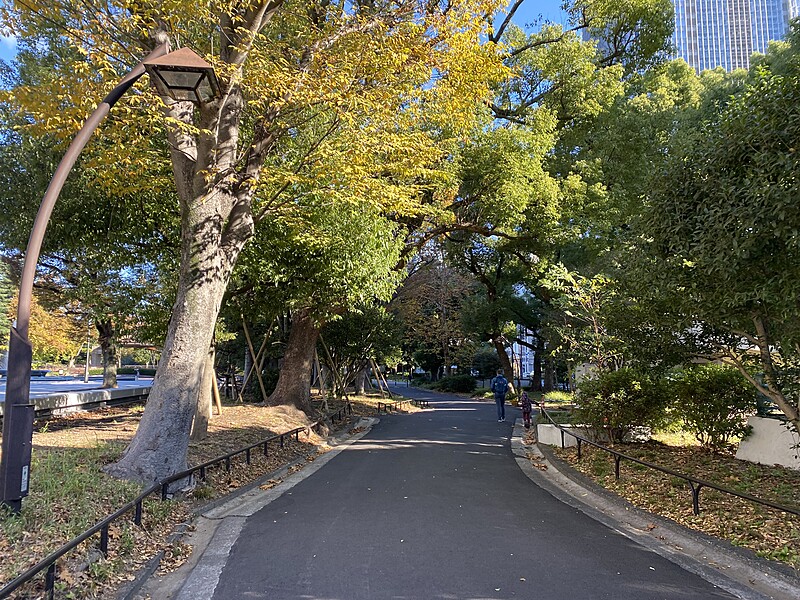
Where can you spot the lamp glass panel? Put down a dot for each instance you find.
(204, 91)
(179, 94)
(180, 79)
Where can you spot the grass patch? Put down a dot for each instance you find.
(769, 533)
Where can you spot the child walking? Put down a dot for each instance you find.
(526, 406)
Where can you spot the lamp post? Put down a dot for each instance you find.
(181, 75)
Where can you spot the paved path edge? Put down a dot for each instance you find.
(716, 561)
(218, 524)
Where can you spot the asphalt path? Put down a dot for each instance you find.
(432, 505)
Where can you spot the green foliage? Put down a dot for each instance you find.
(486, 362)
(365, 332)
(717, 243)
(582, 324)
(713, 401)
(322, 257)
(558, 397)
(6, 295)
(616, 402)
(132, 371)
(456, 383)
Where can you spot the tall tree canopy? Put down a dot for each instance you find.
(343, 99)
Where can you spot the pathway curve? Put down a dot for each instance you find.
(433, 506)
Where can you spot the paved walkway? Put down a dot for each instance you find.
(430, 506)
(425, 506)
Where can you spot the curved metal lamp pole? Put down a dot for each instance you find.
(18, 412)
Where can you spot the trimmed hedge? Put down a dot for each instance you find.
(131, 371)
(464, 384)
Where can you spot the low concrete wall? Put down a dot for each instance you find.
(69, 402)
(551, 435)
(771, 443)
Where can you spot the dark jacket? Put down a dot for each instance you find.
(499, 385)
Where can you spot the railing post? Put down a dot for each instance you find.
(579, 447)
(203, 473)
(137, 515)
(266, 448)
(104, 541)
(164, 490)
(696, 496)
(281, 440)
(562, 439)
(247, 456)
(228, 464)
(50, 581)
(617, 459)
(297, 436)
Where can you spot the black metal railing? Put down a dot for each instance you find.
(695, 484)
(395, 405)
(137, 504)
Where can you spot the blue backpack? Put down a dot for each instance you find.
(500, 385)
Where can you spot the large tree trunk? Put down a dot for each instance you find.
(160, 446)
(549, 375)
(505, 362)
(294, 381)
(202, 413)
(537, 366)
(108, 345)
(360, 381)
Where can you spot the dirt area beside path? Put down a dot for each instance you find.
(70, 492)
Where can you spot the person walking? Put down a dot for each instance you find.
(499, 386)
(527, 408)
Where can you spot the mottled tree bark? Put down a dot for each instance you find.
(537, 366)
(108, 345)
(294, 381)
(202, 413)
(505, 362)
(360, 381)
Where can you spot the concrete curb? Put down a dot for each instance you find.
(217, 526)
(733, 569)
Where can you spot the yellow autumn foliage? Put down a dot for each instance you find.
(365, 104)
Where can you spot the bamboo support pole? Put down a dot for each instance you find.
(255, 361)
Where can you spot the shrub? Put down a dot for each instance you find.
(713, 402)
(456, 383)
(617, 402)
(132, 371)
(557, 397)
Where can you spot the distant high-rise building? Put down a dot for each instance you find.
(724, 33)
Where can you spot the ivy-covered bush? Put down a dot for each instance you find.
(713, 401)
(614, 403)
(464, 384)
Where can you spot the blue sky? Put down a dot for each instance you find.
(7, 47)
(531, 9)
(528, 13)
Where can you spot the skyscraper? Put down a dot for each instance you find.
(724, 33)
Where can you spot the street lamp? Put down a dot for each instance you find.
(181, 75)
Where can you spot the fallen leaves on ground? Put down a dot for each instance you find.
(768, 532)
